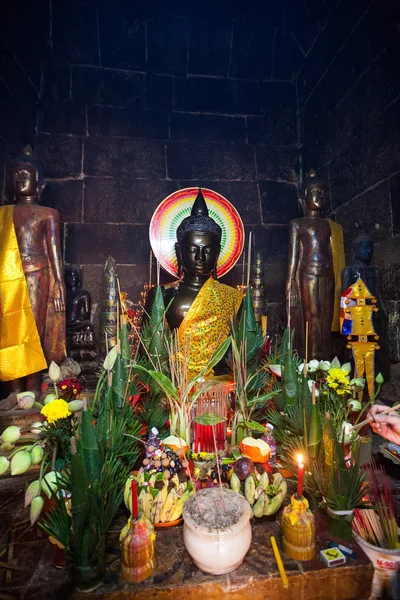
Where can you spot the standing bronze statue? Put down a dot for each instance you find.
(363, 249)
(316, 256)
(32, 328)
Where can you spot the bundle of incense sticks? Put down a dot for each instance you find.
(378, 525)
(215, 402)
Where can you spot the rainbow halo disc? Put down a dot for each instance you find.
(177, 206)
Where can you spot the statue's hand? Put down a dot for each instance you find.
(58, 296)
(292, 294)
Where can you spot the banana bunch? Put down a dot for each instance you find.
(158, 501)
(264, 496)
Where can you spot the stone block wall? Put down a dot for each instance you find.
(140, 100)
(350, 116)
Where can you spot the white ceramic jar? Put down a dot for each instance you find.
(218, 551)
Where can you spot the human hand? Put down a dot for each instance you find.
(58, 296)
(386, 425)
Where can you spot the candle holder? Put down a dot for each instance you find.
(298, 529)
(137, 551)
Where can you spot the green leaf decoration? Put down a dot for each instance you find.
(90, 448)
(290, 378)
(254, 426)
(209, 419)
(248, 330)
(314, 432)
(162, 380)
(120, 369)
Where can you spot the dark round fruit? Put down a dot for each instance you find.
(243, 467)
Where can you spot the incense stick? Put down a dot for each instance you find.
(249, 259)
(279, 562)
(386, 411)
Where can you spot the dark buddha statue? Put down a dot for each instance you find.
(199, 307)
(310, 287)
(363, 249)
(80, 336)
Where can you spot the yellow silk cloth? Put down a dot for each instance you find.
(364, 353)
(20, 348)
(207, 323)
(338, 266)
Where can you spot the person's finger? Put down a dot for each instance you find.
(388, 418)
(376, 409)
(376, 427)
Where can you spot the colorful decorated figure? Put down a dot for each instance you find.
(363, 248)
(199, 307)
(357, 307)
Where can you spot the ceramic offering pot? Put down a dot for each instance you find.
(217, 533)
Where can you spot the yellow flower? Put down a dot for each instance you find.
(63, 387)
(341, 392)
(58, 409)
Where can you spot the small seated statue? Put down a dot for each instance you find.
(80, 335)
(201, 307)
(363, 249)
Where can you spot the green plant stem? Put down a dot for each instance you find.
(362, 412)
(99, 387)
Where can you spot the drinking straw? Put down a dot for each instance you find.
(279, 562)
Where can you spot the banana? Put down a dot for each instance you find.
(277, 480)
(274, 504)
(141, 500)
(127, 492)
(175, 480)
(283, 488)
(156, 511)
(250, 489)
(258, 508)
(259, 491)
(235, 483)
(140, 478)
(164, 490)
(181, 489)
(264, 480)
(169, 505)
(148, 504)
(179, 506)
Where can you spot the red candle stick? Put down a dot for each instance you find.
(134, 500)
(300, 474)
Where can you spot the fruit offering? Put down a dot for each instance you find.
(161, 498)
(256, 449)
(263, 492)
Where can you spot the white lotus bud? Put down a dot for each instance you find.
(4, 464)
(110, 358)
(36, 509)
(54, 371)
(49, 483)
(7, 447)
(32, 491)
(20, 462)
(75, 405)
(26, 400)
(37, 455)
(37, 428)
(346, 368)
(313, 365)
(49, 398)
(11, 434)
(324, 365)
(276, 370)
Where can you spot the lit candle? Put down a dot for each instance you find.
(300, 474)
(229, 432)
(134, 500)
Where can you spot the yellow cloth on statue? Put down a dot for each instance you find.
(206, 324)
(338, 266)
(20, 349)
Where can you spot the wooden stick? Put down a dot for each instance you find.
(150, 267)
(249, 259)
(306, 359)
(313, 393)
(279, 562)
(386, 411)
(243, 264)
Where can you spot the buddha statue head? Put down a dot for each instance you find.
(363, 248)
(72, 276)
(26, 180)
(312, 194)
(198, 242)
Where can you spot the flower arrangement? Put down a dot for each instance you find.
(55, 410)
(69, 389)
